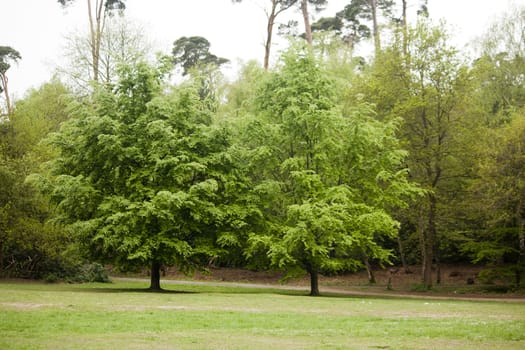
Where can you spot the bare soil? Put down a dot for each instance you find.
(450, 275)
(456, 282)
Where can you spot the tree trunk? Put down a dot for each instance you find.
(428, 243)
(96, 27)
(269, 34)
(370, 272)
(405, 29)
(4, 82)
(307, 26)
(402, 255)
(438, 267)
(377, 41)
(521, 237)
(155, 276)
(314, 282)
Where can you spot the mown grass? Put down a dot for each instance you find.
(123, 316)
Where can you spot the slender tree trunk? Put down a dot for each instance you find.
(377, 41)
(402, 255)
(521, 237)
(438, 267)
(4, 82)
(269, 33)
(155, 276)
(428, 243)
(307, 26)
(405, 28)
(314, 282)
(96, 27)
(370, 272)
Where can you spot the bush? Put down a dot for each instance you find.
(501, 275)
(90, 272)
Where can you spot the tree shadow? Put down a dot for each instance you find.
(137, 290)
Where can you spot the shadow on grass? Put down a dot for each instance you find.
(136, 290)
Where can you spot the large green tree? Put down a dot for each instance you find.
(325, 179)
(143, 178)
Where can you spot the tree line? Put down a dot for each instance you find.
(324, 163)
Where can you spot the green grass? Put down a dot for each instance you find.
(122, 316)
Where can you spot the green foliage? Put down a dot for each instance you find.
(194, 52)
(29, 247)
(328, 178)
(8, 55)
(142, 176)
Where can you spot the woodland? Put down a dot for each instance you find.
(322, 163)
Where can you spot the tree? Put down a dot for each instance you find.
(29, 247)
(359, 11)
(499, 194)
(435, 130)
(143, 178)
(324, 178)
(319, 5)
(122, 42)
(8, 55)
(194, 52)
(194, 56)
(276, 8)
(97, 15)
(499, 68)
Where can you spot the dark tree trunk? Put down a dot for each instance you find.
(369, 271)
(402, 255)
(438, 268)
(428, 243)
(314, 282)
(155, 276)
(269, 34)
(521, 238)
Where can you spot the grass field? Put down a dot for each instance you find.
(122, 316)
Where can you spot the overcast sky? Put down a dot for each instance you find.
(36, 28)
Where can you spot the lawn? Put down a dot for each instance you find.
(123, 316)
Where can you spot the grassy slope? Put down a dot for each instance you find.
(118, 316)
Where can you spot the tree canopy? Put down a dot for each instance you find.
(332, 174)
(142, 177)
(192, 52)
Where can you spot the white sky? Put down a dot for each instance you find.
(36, 28)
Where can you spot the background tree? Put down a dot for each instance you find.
(8, 55)
(30, 247)
(122, 42)
(275, 9)
(194, 52)
(98, 11)
(433, 129)
(358, 12)
(193, 55)
(319, 5)
(500, 190)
